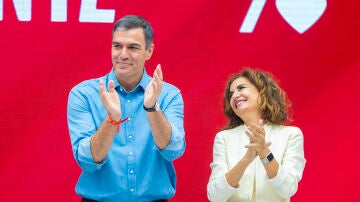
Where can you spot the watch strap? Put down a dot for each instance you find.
(155, 108)
(269, 157)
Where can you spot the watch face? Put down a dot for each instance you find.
(152, 109)
(268, 158)
(157, 107)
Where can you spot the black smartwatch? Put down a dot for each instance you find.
(152, 109)
(267, 158)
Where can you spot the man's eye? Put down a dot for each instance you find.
(116, 46)
(133, 48)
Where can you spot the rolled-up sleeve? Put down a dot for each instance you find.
(81, 128)
(174, 112)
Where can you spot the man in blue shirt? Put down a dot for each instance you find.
(126, 127)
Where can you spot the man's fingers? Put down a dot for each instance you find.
(101, 87)
(111, 86)
(159, 71)
(158, 74)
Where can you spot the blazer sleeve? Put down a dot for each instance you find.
(218, 188)
(291, 166)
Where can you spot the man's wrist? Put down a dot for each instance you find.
(114, 117)
(149, 106)
(154, 108)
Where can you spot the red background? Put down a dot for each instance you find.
(199, 45)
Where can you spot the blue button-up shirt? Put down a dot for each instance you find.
(135, 169)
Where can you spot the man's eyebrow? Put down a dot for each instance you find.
(131, 44)
(135, 44)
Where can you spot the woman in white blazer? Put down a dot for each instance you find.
(256, 157)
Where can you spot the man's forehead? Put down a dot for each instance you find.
(135, 35)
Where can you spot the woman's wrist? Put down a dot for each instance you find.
(263, 152)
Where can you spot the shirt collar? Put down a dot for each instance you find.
(144, 81)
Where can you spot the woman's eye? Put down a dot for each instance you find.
(240, 87)
(230, 95)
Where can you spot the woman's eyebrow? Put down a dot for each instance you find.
(240, 86)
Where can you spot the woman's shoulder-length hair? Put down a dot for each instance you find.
(273, 102)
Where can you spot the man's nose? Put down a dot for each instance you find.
(124, 53)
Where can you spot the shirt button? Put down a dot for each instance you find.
(130, 136)
(128, 100)
(130, 153)
(132, 190)
(131, 171)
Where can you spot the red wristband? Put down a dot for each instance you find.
(117, 123)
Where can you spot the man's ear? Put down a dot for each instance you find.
(149, 51)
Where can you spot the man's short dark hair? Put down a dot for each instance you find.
(133, 21)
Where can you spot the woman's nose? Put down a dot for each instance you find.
(236, 94)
